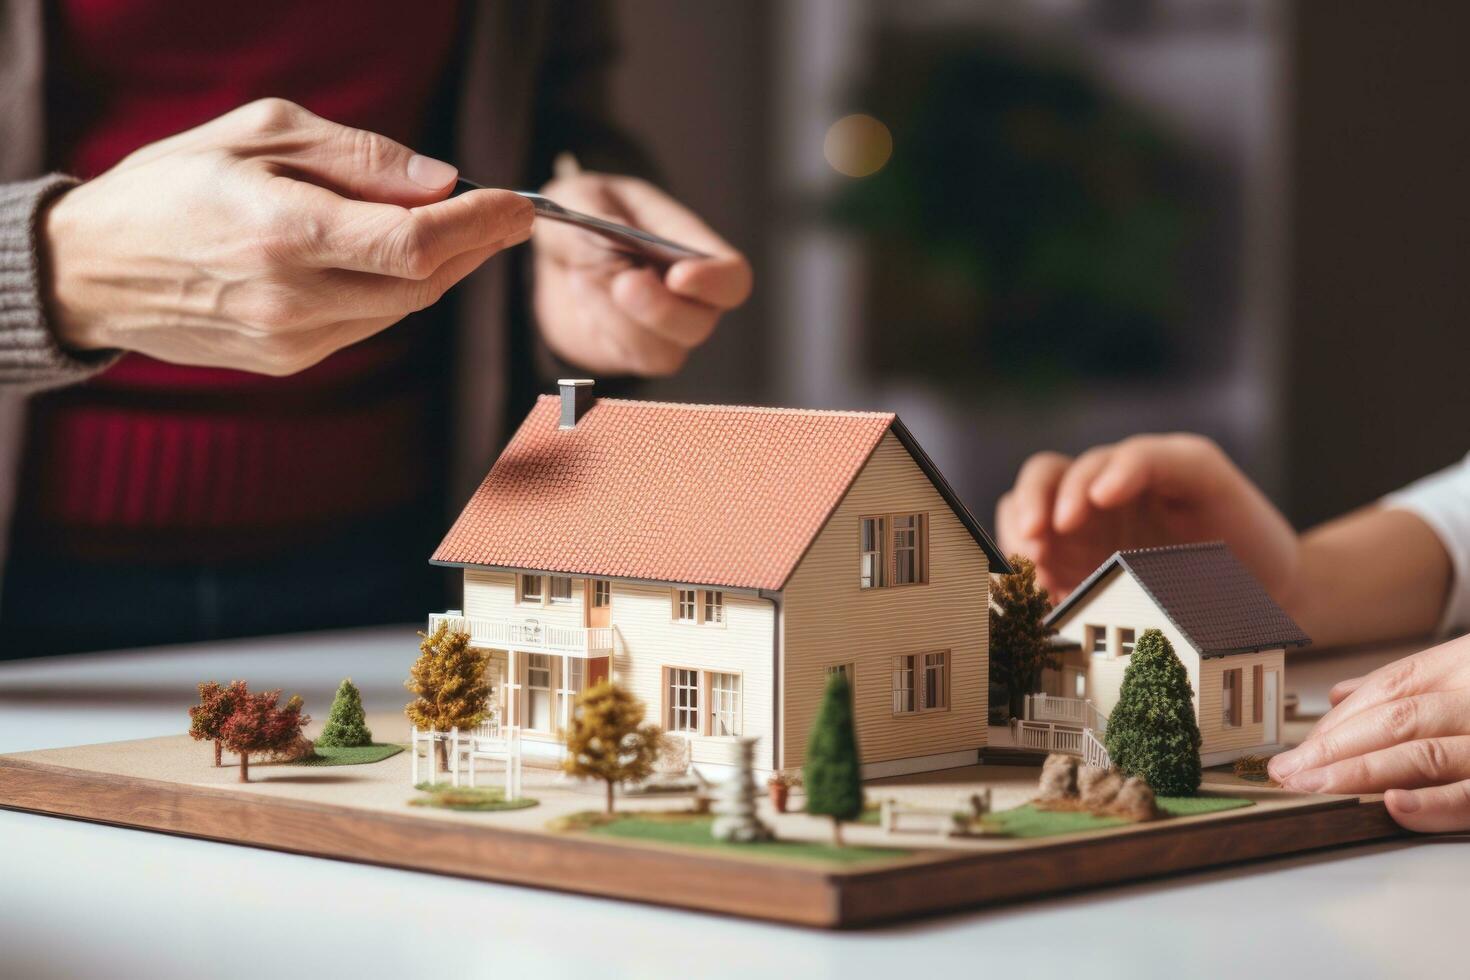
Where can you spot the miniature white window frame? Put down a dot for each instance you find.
(905, 684)
(683, 717)
(893, 534)
(725, 694)
(1127, 640)
(698, 607)
(528, 596)
(531, 663)
(560, 590)
(601, 593)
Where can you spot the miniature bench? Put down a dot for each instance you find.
(934, 818)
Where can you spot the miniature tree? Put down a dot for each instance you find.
(216, 704)
(608, 739)
(257, 725)
(1152, 733)
(449, 679)
(832, 774)
(1019, 650)
(346, 725)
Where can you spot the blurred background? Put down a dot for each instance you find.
(1046, 224)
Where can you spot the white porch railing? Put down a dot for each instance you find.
(1044, 736)
(1078, 712)
(1094, 753)
(529, 636)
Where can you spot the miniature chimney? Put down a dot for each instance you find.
(576, 398)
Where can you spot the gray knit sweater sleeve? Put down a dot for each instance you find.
(30, 357)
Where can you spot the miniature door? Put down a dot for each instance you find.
(597, 595)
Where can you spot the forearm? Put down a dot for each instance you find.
(30, 355)
(1375, 574)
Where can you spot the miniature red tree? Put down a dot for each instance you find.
(216, 704)
(257, 725)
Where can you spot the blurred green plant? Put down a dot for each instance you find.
(1026, 229)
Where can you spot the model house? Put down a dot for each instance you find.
(1230, 635)
(721, 562)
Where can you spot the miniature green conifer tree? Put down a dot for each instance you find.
(450, 684)
(608, 739)
(1019, 650)
(1152, 732)
(346, 725)
(833, 774)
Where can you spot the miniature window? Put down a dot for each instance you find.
(1258, 693)
(1097, 640)
(870, 546)
(538, 691)
(1127, 640)
(1079, 685)
(531, 588)
(724, 707)
(684, 605)
(683, 700)
(714, 607)
(1230, 699)
(561, 588)
(574, 676)
(904, 701)
(908, 549)
(935, 693)
(601, 593)
(847, 670)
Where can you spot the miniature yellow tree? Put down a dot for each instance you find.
(450, 684)
(1020, 647)
(608, 739)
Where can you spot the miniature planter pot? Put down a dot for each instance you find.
(780, 795)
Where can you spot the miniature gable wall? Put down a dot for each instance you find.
(1118, 601)
(648, 639)
(827, 619)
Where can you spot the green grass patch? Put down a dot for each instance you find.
(350, 755)
(1028, 822)
(693, 830)
(478, 799)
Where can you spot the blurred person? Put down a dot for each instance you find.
(1397, 568)
(210, 217)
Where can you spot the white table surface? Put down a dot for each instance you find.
(78, 899)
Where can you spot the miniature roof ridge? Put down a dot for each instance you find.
(718, 407)
(1258, 622)
(714, 495)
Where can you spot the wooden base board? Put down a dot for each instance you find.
(929, 881)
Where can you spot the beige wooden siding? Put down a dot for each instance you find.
(1119, 602)
(1214, 735)
(828, 619)
(648, 639)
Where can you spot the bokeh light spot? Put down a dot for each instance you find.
(858, 145)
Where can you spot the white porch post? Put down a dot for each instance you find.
(513, 687)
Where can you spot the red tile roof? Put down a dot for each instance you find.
(698, 494)
(1214, 600)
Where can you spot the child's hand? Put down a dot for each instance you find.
(1404, 729)
(1068, 515)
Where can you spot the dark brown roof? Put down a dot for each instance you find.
(1206, 593)
(698, 494)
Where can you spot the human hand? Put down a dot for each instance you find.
(1068, 515)
(599, 310)
(263, 240)
(1404, 729)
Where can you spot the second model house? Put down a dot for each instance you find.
(721, 562)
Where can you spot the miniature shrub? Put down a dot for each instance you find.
(1152, 733)
(346, 725)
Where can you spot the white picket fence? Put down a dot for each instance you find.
(490, 742)
(1045, 736)
(1077, 712)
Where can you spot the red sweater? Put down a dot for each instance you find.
(155, 459)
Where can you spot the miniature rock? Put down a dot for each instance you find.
(735, 819)
(1136, 801)
(1058, 778)
(1098, 787)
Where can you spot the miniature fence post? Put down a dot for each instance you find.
(413, 753)
(454, 756)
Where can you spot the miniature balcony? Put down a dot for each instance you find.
(528, 635)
